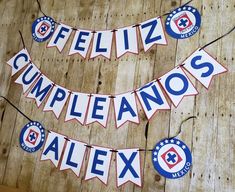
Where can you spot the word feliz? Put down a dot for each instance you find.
(127, 160)
(151, 32)
(89, 108)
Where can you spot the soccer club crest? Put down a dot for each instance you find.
(171, 158)
(183, 22)
(43, 28)
(32, 137)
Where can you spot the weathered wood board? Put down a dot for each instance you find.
(210, 136)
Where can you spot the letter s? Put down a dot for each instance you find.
(202, 65)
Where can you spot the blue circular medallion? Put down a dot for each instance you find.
(32, 137)
(171, 158)
(183, 22)
(43, 28)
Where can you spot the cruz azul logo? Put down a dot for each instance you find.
(183, 22)
(32, 137)
(43, 28)
(171, 158)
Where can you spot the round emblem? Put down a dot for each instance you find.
(32, 137)
(43, 28)
(171, 158)
(183, 22)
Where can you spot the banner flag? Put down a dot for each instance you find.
(98, 109)
(81, 43)
(99, 164)
(53, 148)
(126, 41)
(28, 77)
(57, 100)
(73, 156)
(128, 167)
(152, 99)
(151, 32)
(177, 85)
(21, 59)
(102, 44)
(203, 67)
(77, 107)
(40, 89)
(125, 109)
(60, 36)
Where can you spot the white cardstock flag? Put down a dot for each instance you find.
(57, 100)
(99, 164)
(126, 40)
(151, 32)
(77, 107)
(128, 167)
(40, 89)
(81, 43)
(60, 36)
(177, 85)
(152, 98)
(53, 148)
(73, 156)
(21, 59)
(98, 109)
(203, 67)
(125, 109)
(28, 77)
(102, 44)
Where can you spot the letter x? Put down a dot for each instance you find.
(128, 165)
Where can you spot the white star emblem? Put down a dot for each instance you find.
(154, 159)
(155, 153)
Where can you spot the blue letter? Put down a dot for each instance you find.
(26, 82)
(125, 106)
(157, 99)
(98, 107)
(98, 48)
(128, 165)
(126, 39)
(60, 35)
(53, 147)
(26, 59)
(149, 38)
(69, 162)
(202, 65)
(180, 76)
(72, 112)
(38, 90)
(97, 161)
(80, 40)
(56, 96)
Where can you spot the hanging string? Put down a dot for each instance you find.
(40, 8)
(22, 39)
(230, 31)
(16, 108)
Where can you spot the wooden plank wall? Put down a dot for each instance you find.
(211, 136)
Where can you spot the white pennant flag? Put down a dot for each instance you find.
(177, 85)
(151, 32)
(99, 164)
(77, 107)
(60, 36)
(73, 156)
(128, 167)
(125, 109)
(56, 100)
(102, 44)
(28, 77)
(17, 62)
(126, 41)
(152, 98)
(98, 109)
(53, 147)
(40, 89)
(203, 67)
(81, 43)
